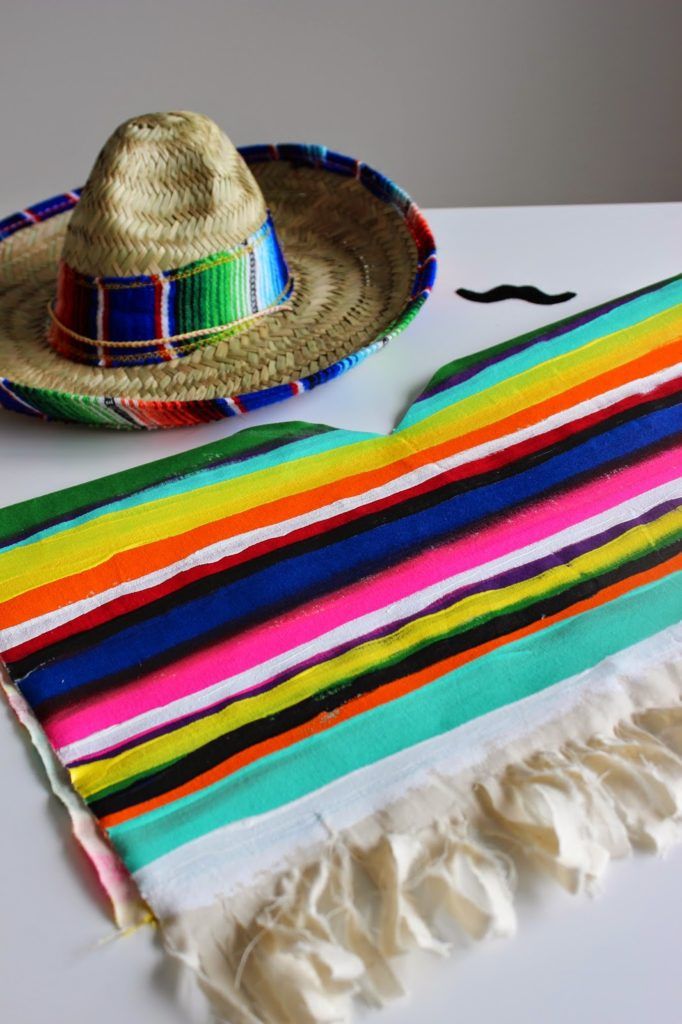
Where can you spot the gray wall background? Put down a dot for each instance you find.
(463, 102)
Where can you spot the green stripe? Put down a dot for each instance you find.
(523, 601)
(635, 312)
(60, 406)
(502, 676)
(29, 514)
(219, 294)
(296, 451)
(464, 362)
(107, 790)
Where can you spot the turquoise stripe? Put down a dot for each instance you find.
(618, 319)
(502, 676)
(625, 316)
(195, 480)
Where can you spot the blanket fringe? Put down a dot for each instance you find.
(330, 927)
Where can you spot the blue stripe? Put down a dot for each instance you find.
(300, 578)
(8, 401)
(131, 313)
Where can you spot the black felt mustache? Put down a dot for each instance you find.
(527, 292)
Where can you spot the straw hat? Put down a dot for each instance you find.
(190, 281)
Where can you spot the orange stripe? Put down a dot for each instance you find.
(383, 695)
(127, 565)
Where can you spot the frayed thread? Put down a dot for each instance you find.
(333, 927)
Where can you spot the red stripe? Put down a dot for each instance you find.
(82, 303)
(162, 350)
(497, 460)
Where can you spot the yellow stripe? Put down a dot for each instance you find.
(91, 778)
(94, 542)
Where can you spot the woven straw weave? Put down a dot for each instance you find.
(167, 189)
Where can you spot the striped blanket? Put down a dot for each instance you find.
(314, 685)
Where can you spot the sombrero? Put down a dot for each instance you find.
(189, 280)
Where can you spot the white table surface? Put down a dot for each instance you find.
(615, 959)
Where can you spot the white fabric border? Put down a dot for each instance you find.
(591, 703)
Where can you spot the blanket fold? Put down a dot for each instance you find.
(312, 695)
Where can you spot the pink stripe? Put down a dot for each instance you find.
(254, 646)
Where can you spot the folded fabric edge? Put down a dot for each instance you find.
(333, 924)
(128, 908)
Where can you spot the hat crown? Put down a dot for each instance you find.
(165, 190)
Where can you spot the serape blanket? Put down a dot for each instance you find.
(318, 688)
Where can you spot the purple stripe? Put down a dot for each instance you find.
(554, 331)
(508, 578)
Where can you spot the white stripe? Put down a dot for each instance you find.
(165, 329)
(233, 405)
(14, 635)
(108, 411)
(129, 410)
(165, 289)
(355, 629)
(219, 862)
(16, 398)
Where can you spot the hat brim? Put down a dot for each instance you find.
(363, 261)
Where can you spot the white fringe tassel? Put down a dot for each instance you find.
(329, 927)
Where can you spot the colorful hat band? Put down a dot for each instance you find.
(123, 321)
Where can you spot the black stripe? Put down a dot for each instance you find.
(307, 430)
(110, 403)
(79, 642)
(470, 366)
(334, 581)
(229, 744)
(498, 581)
